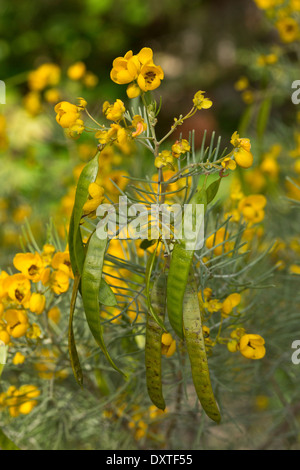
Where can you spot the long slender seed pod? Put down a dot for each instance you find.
(192, 326)
(90, 286)
(153, 342)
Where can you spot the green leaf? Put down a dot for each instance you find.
(106, 295)
(212, 190)
(6, 443)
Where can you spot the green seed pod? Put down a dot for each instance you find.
(90, 287)
(192, 326)
(153, 342)
(180, 266)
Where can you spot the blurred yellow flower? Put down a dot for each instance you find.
(54, 314)
(165, 158)
(252, 208)
(76, 71)
(37, 303)
(45, 75)
(114, 112)
(17, 322)
(18, 359)
(230, 303)
(288, 29)
(67, 114)
(218, 238)
(168, 345)
(96, 193)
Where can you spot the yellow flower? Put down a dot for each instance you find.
(52, 95)
(150, 76)
(200, 102)
(270, 166)
(241, 84)
(59, 280)
(61, 260)
(30, 264)
(18, 288)
(262, 402)
(114, 112)
(294, 269)
(34, 332)
(54, 314)
(165, 158)
(47, 253)
(252, 346)
(133, 90)
(18, 359)
(228, 163)
(96, 193)
(213, 305)
(233, 345)
(248, 96)
(139, 124)
(125, 69)
(76, 71)
(4, 336)
(90, 80)
(218, 238)
(17, 322)
(76, 129)
(37, 303)
(252, 208)
(230, 303)
(168, 345)
(46, 74)
(241, 152)
(21, 212)
(180, 147)
(288, 29)
(238, 333)
(67, 114)
(32, 103)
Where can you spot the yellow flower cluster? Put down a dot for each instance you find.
(140, 420)
(19, 401)
(285, 17)
(18, 302)
(139, 71)
(68, 117)
(78, 71)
